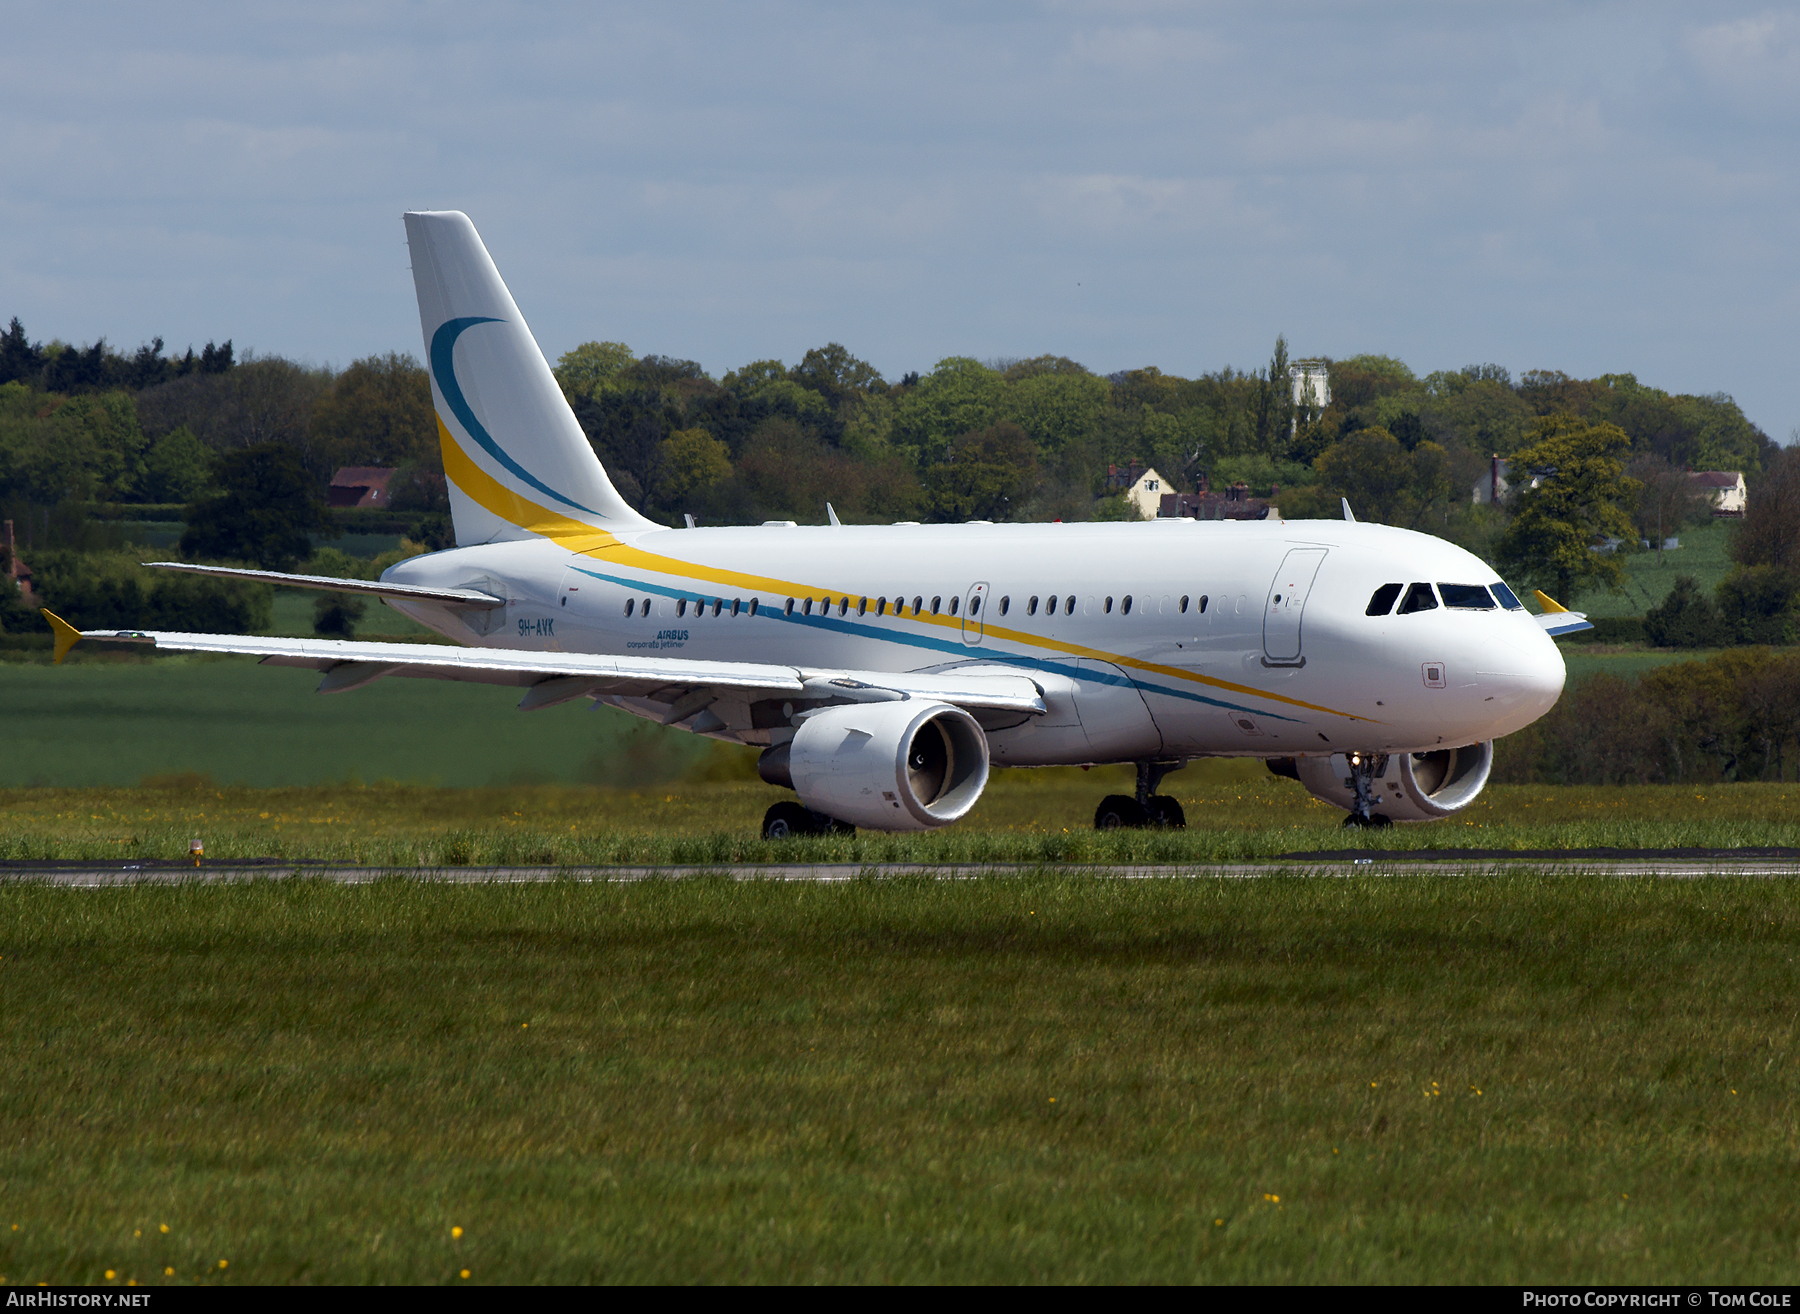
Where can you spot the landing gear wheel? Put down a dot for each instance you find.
(1377, 821)
(1119, 812)
(785, 820)
(1164, 811)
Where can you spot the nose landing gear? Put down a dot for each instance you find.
(1119, 811)
(1364, 767)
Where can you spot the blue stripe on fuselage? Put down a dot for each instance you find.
(930, 644)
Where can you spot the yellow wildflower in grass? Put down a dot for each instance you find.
(168, 1272)
(456, 1233)
(465, 1272)
(223, 1262)
(110, 1275)
(165, 1227)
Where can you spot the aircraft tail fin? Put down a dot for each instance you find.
(516, 461)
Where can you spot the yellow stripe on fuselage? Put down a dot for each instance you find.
(585, 540)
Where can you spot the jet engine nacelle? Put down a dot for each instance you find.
(1411, 786)
(907, 765)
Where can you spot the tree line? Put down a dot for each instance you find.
(1012, 439)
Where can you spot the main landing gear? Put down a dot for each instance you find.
(1364, 767)
(786, 819)
(1118, 811)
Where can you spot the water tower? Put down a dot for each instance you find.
(1311, 383)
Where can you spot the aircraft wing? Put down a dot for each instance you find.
(549, 678)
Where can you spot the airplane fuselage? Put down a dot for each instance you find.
(1168, 639)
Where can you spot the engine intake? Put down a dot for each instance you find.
(1410, 786)
(909, 765)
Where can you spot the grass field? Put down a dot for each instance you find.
(1234, 810)
(1702, 554)
(1041, 1079)
(106, 718)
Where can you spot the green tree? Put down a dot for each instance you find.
(1057, 409)
(1684, 619)
(693, 461)
(592, 365)
(176, 468)
(1373, 471)
(377, 412)
(1581, 500)
(1756, 604)
(1769, 534)
(836, 375)
(988, 475)
(959, 396)
(265, 511)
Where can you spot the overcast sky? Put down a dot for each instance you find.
(1586, 187)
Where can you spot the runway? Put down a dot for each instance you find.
(1678, 866)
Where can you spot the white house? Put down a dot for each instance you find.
(1725, 488)
(1146, 495)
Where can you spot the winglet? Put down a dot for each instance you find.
(1548, 603)
(67, 636)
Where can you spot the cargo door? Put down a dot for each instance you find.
(1286, 604)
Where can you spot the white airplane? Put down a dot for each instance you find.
(883, 669)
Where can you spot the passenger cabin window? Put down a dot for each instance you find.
(805, 608)
(1069, 606)
(788, 608)
(1125, 606)
(934, 605)
(954, 602)
(1203, 604)
(974, 605)
(1005, 605)
(681, 606)
(1031, 606)
(630, 603)
(1184, 602)
(1109, 605)
(645, 609)
(754, 604)
(1506, 596)
(918, 605)
(1466, 597)
(1418, 598)
(1383, 601)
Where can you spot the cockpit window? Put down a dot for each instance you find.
(1465, 597)
(1418, 598)
(1506, 596)
(1383, 601)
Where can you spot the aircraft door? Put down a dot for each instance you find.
(973, 607)
(1287, 600)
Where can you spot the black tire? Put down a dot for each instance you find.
(1119, 812)
(784, 820)
(1377, 821)
(1166, 812)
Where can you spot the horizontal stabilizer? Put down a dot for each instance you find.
(473, 598)
(1557, 619)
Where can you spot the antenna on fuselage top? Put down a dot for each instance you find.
(689, 517)
(832, 517)
(1347, 515)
